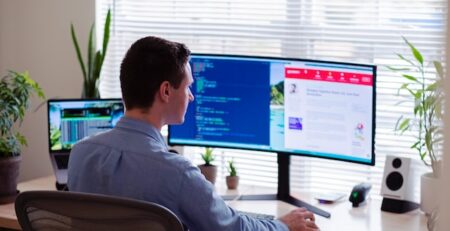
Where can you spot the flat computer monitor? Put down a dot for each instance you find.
(70, 120)
(290, 106)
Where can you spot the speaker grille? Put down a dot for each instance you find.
(397, 163)
(394, 181)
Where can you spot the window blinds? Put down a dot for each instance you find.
(342, 30)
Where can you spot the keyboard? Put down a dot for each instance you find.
(257, 215)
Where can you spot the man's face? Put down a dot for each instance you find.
(181, 97)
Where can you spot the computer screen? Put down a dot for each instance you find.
(70, 120)
(293, 106)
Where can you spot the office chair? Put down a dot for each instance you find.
(56, 210)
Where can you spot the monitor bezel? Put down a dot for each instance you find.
(68, 100)
(374, 72)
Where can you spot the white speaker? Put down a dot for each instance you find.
(398, 184)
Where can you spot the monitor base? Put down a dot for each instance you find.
(283, 191)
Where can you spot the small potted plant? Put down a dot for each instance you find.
(208, 169)
(15, 91)
(425, 119)
(233, 178)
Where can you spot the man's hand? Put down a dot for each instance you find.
(300, 220)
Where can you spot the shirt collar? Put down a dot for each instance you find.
(141, 127)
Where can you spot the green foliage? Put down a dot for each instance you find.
(231, 168)
(55, 136)
(276, 94)
(15, 91)
(91, 74)
(208, 156)
(428, 96)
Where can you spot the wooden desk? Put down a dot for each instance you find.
(8, 217)
(343, 216)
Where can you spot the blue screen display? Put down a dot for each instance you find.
(305, 107)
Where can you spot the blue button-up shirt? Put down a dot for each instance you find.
(132, 160)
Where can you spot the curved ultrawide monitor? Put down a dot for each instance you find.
(293, 106)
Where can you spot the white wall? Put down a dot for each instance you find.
(35, 36)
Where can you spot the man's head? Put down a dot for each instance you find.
(152, 69)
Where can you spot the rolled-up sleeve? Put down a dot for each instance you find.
(201, 209)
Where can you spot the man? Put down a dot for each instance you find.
(132, 159)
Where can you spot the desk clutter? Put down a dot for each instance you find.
(329, 198)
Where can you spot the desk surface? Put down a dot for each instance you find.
(343, 215)
(8, 217)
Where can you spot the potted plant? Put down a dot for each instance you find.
(208, 169)
(425, 119)
(91, 74)
(15, 91)
(232, 179)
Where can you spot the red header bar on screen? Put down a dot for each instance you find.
(328, 76)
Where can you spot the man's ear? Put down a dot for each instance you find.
(164, 91)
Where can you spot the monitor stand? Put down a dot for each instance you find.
(283, 193)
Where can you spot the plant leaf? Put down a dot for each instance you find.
(106, 35)
(415, 52)
(415, 144)
(422, 155)
(404, 86)
(77, 49)
(439, 69)
(410, 77)
(397, 68)
(22, 140)
(432, 87)
(397, 123)
(91, 50)
(418, 109)
(407, 60)
(404, 125)
(417, 95)
(97, 66)
(15, 91)
(33, 85)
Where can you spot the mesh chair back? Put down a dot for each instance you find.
(53, 210)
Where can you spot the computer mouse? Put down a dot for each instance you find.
(359, 194)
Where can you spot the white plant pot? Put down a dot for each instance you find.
(428, 192)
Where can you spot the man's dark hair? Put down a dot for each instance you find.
(149, 62)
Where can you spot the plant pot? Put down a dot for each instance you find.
(429, 186)
(209, 171)
(232, 182)
(9, 172)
